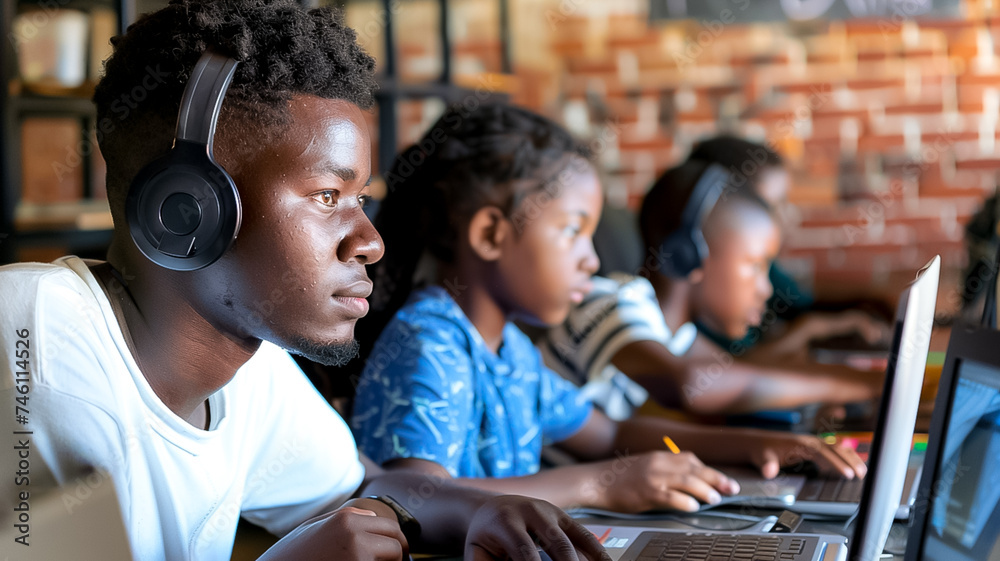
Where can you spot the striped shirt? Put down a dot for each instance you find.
(621, 309)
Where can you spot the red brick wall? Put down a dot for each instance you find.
(889, 129)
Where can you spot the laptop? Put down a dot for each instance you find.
(880, 490)
(835, 496)
(874, 519)
(80, 521)
(957, 513)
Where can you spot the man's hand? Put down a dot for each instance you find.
(770, 451)
(362, 529)
(656, 480)
(508, 527)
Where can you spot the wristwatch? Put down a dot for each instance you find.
(407, 523)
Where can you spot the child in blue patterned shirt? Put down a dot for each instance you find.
(489, 218)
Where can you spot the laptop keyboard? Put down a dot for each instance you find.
(663, 546)
(831, 490)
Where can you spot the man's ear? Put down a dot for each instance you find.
(487, 230)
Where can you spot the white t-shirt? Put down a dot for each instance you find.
(621, 309)
(275, 450)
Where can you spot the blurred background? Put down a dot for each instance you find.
(886, 112)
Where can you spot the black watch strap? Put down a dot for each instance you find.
(407, 523)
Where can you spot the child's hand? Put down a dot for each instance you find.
(367, 530)
(794, 342)
(507, 526)
(658, 480)
(771, 451)
(820, 325)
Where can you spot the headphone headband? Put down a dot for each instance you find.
(686, 247)
(706, 193)
(183, 209)
(202, 98)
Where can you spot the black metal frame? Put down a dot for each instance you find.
(392, 90)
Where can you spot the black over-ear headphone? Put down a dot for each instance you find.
(183, 209)
(686, 246)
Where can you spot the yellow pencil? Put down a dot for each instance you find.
(670, 444)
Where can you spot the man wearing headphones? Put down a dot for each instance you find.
(710, 246)
(236, 188)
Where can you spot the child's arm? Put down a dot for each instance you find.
(643, 476)
(712, 381)
(818, 325)
(768, 450)
(629, 483)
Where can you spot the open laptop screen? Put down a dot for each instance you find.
(963, 517)
(890, 452)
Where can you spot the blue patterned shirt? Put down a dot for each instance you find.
(433, 390)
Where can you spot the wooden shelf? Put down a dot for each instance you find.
(83, 226)
(82, 5)
(51, 105)
(18, 87)
(62, 217)
(74, 241)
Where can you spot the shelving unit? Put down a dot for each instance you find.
(80, 227)
(85, 226)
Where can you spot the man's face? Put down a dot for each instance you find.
(295, 275)
(735, 287)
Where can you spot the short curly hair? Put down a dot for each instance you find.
(744, 159)
(283, 50)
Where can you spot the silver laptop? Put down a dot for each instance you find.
(881, 488)
(957, 513)
(834, 496)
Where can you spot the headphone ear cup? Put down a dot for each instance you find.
(686, 246)
(682, 256)
(183, 210)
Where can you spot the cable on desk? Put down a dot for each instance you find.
(681, 520)
(754, 520)
(854, 516)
